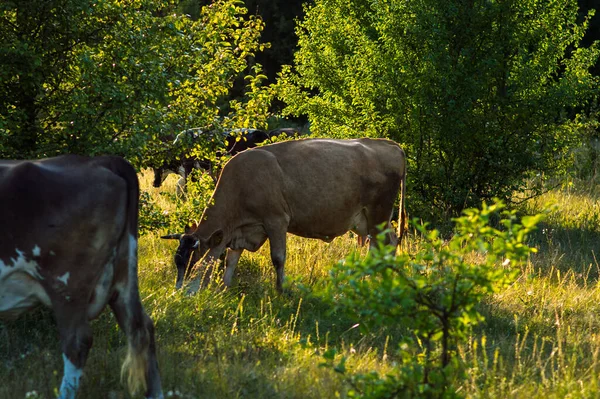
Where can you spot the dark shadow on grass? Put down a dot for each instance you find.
(30, 355)
(527, 346)
(209, 348)
(317, 317)
(573, 250)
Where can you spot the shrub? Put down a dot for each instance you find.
(176, 210)
(433, 294)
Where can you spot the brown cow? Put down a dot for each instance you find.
(314, 188)
(68, 240)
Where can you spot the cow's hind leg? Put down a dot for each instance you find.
(141, 364)
(378, 216)
(76, 341)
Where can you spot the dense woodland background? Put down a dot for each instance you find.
(483, 95)
(490, 100)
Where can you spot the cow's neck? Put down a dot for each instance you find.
(212, 221)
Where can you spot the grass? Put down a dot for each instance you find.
(540, 339)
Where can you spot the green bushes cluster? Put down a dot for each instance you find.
(481, 94)
(124, 78)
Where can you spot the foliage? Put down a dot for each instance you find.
(177, 210)
(119, 77)
(279, 16)
(479, 93)
(151, 218)
(190, 206)
(433, 294)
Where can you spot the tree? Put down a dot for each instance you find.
(278, 16)
(593, 32)
(478, 92)
(120, 77)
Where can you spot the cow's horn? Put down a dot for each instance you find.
(175, 236)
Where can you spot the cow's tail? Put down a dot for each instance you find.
(136, 363)
(138, 326)
(402, 219)
(126, 171)
(139, 336)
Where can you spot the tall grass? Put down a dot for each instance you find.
(540, 338)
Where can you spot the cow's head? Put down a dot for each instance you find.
(191, 250)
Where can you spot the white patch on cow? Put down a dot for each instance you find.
(124, 287)
(19, 252)
(37, 251)
(64, 278)
(22, 264)
(52, 253)
(133, 264)
(20, 289)
(70, 381)
(127, 287)
(133, 258)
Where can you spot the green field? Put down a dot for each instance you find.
(540, 337)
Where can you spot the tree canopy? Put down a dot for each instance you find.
(121, 77)
(480, 93)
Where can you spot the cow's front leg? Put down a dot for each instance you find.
(231, 261)
(278, 255)
(76, 341)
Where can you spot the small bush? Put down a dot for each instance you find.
(433, 294)
(151, 217)
(176, 210)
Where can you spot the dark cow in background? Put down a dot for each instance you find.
(239, 140)
(235, 141)
(313, 188)
(177, 162)
(68, 240)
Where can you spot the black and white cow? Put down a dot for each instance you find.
(68, 240)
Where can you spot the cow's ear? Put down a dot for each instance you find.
(215, 239)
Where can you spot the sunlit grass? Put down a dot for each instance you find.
(540, 338)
